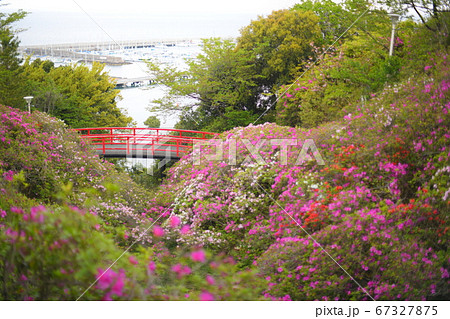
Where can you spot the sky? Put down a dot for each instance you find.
(258, 7)
(62, 21)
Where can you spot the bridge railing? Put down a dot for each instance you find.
(151, 140)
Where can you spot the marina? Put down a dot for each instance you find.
(128, 68)
(115, 53)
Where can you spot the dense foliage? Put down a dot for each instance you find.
(233, 83)
(11, 81)
(348, 199)
(378, 207)
(79, 95)
(63, 223)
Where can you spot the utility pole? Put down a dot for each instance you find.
(28, 99)
(394, 18)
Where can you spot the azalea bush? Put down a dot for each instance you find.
(66, 217)
(58, 254)
(368, 218)
(379, 205)
(373, 246)
(55, 164)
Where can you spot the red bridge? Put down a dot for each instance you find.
(155, 143)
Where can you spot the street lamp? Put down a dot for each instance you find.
(28, 99)
(394, 18)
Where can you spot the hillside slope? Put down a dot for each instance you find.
(72, 227)
(370, 223)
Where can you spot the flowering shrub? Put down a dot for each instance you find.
(52, 250)
(379, 206)
(55, 164)
(370, 223)
(58, 254)
(371, 245)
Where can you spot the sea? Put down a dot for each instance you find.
(40, 28)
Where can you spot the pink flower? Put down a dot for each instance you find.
(37, 209)
(2, 213)
(177, 268)
(186, 270)
(185, 230)
(210, 280)
(111, 279)
(16, 210)
(9, 175)
(151, 266)
(105, 278)
(119, 284)
(158, 231)
(198, 255)
(133, 260)
(427, 67)
(175, 221)
(206, 296)
(181, 270)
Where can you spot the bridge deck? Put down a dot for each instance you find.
(142, 142)
(142, 151)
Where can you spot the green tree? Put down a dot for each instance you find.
(220, 81)
(344, 74)
(152, 122)
(12, 88)
(77, 94)
(433, 14)
(349, 19)
(279, 43)
(333, 18)
(47, 95)
(232, 84)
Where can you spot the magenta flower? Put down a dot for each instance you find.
(177, 268)
(181, 270)
(9, 175)
(185, 230)
(175, 221)
(198, 255)
(427, 67)
(133, 260)
(105, 279)
(112, 281)
(117, 288)
(206, 296)
(16, 210)
(151, 266)
(158, 231)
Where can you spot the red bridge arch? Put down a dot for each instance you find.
(126, 142)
